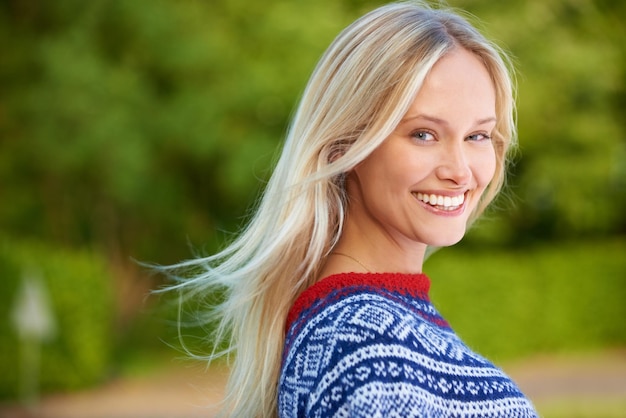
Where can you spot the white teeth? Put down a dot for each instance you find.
(446, 202)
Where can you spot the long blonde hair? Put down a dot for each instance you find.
(360, 90)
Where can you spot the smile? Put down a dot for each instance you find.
(448, 203)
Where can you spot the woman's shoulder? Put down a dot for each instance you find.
(355, 315)
(358, 344)
(349, 312)
(334, 340)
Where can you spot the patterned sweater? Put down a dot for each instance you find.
(373, 345)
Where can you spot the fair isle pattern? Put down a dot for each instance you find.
(373, 345)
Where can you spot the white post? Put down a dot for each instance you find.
(34, 323)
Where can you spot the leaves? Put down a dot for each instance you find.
(137, 126)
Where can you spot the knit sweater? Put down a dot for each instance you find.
(373, 345)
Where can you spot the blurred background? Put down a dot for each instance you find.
(145, 130)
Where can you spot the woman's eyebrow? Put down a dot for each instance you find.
(443, 122)
(429, 118)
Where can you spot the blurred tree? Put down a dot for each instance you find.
(571, 61)
(136, 126)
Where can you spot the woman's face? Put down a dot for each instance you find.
(423, 182)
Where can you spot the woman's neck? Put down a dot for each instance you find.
(355, 252)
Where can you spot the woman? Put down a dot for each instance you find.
(400, 141)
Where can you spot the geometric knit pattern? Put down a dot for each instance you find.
(373, 345)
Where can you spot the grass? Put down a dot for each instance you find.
(545, 299)
(505, 303)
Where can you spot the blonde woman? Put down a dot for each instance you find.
(400, 141)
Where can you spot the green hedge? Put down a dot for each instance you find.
(81, 301)
(549, 298)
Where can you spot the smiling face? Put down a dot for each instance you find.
(421, 184)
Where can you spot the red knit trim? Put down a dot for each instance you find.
(414, 285)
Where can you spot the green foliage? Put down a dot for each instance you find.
(509, 304)
(135, 127)
(141, 125)
(79, 290)
(153, 119)
(571, 62)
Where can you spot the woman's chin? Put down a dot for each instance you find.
(446, 241)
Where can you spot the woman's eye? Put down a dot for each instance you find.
(423, 136)
(479, 137)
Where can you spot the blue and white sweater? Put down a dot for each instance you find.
(373, 345)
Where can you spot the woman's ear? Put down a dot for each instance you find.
(335, 154)
(337, 150)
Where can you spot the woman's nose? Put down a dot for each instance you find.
(454, 165)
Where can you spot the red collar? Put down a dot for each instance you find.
(414, 285)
